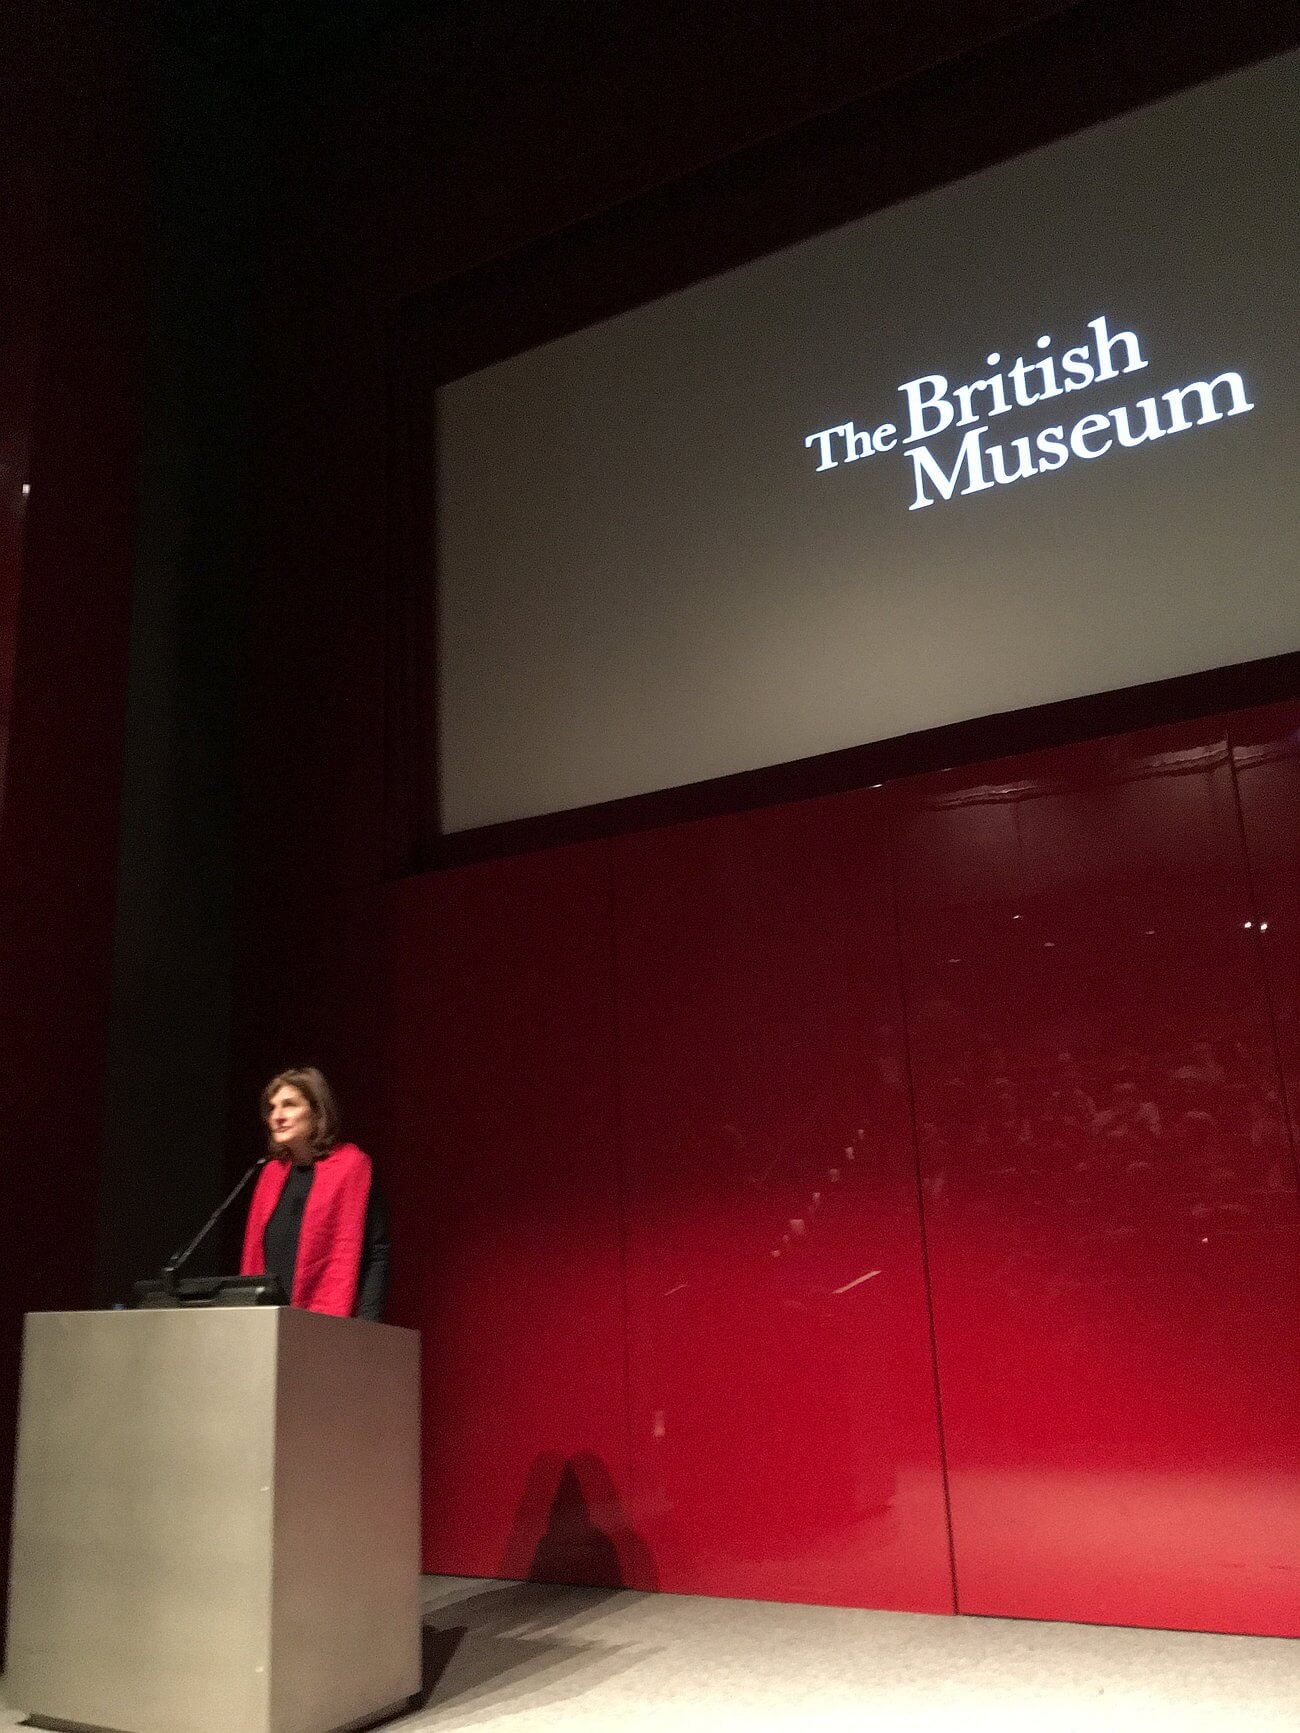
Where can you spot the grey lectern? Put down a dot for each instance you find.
(216, 1521)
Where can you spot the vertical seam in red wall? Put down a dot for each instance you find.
(620, 1169)
(920, 1192)
(1288, 1107)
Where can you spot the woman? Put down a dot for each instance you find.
(316, 1220)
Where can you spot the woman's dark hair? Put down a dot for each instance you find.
(311, 1085)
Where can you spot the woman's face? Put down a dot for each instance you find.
(290, 1120)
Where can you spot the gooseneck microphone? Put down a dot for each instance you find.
(172, 1268)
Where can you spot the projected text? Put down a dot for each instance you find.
(969, 461)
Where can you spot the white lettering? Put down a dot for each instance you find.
(1020, 384)
(969, 457)
(965, 395)
(933, 407)
(824, 441)
(1151, 428)
(1105, 346)
(918, 404)
(1048, 367)
(1078, 368)
(1083, 430)
(1024, 464)
(856, 444)
(1051, 443)
(1205, 394)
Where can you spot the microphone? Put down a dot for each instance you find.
(178, 1260)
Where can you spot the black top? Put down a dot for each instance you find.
(280, 1243)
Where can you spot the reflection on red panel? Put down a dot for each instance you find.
(1110, 1190)
(784, 1432)
(1266, 755)
(504, 1194)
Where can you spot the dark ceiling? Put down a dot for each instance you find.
(292, 48)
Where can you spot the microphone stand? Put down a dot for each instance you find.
(178, 1260)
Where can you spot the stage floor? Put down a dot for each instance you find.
(528, 1657)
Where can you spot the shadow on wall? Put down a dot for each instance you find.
(571, 1528)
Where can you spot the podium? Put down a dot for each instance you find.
(216, 1521)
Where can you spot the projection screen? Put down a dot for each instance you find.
(1030, 436)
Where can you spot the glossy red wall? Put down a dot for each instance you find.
(1266, 755)
(781, 1391)
(1110, 1186)
(647, 1116)
(504, 1179)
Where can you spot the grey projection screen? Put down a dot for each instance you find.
(1031, 436)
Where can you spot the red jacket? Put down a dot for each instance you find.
(333, 1229)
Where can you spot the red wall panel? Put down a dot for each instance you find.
(644, 1117)
(1109, 1184)
(1266, 757)
(507, 1253)
(784, 1434)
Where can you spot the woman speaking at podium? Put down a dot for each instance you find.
(316, 1220)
